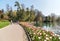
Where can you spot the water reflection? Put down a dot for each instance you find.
(54, 27)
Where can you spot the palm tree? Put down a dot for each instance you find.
(18, 5)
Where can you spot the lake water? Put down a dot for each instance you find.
(52, 27)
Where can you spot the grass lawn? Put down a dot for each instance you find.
(4, 23)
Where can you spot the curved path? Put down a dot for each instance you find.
(13, 32)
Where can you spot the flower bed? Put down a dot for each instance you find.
(38, 34)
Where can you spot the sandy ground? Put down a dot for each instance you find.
(13, 32)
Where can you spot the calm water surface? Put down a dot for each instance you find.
(52, 27)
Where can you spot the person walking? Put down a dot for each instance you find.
(11, 21)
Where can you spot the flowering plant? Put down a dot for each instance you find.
(38, 34)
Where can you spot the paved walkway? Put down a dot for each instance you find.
(13, 32)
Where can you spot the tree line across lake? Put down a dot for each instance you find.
(26, 14)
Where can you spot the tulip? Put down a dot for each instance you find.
(59, 37)
(47, 35)
(39, 37)
(47, 38)
(50, 37)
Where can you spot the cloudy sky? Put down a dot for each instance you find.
(46, 6)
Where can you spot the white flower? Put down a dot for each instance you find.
(50, 37)
(59, 37)
(46, 35)
(45, 40)
(34, 33)
(39, 37)
(55, 34)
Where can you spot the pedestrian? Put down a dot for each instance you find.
(11, 21)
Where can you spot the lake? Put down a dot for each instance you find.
(54, 27)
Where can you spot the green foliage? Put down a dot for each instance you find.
(10, 15)
(2, 16)
(24, 15)
(32, 16)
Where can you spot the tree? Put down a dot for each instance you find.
(27, 14)
(58, 20)
(32, 14)
(53, 17)
(10, 14)
(18, 5)
(38, 16)
(1, 14)
(39, 19)
(18, 10)
(23, 14)
(7, 7)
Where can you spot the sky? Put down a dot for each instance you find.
(45, 6)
